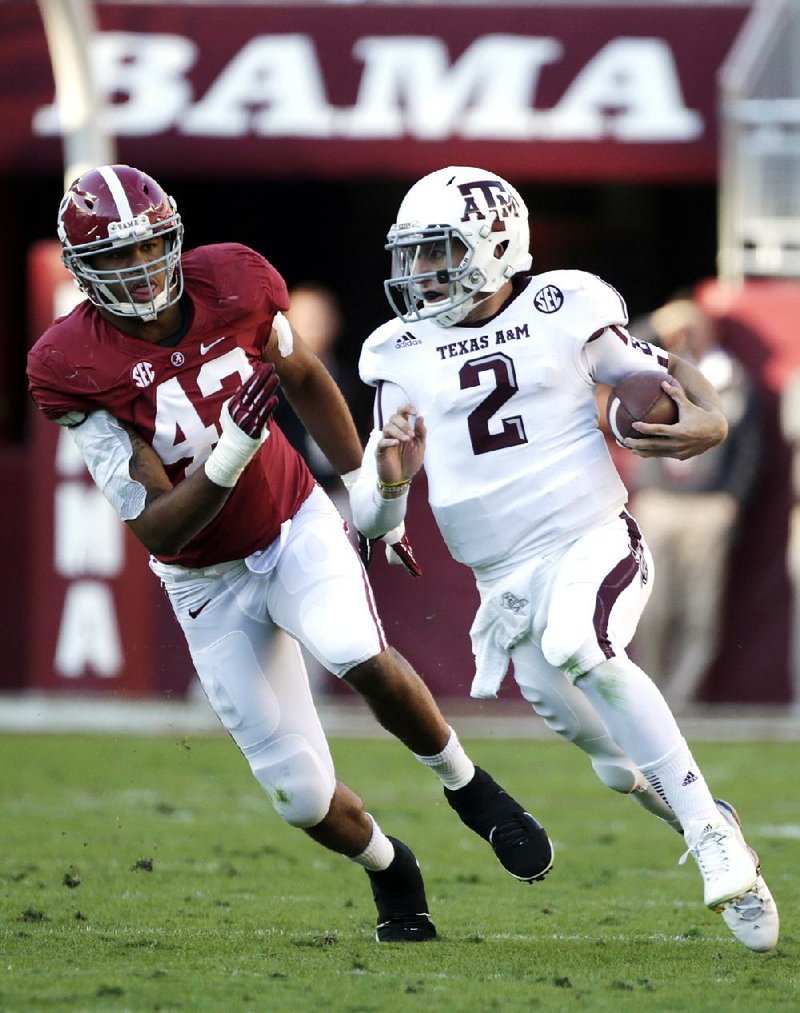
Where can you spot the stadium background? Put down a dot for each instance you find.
(640, 211)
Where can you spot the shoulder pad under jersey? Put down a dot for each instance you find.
(241, 278)
(583, 302)
(379, 360)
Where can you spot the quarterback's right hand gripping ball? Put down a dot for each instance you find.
(252, 405)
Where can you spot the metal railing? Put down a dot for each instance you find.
(69, 25)
(759, 203)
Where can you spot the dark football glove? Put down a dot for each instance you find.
(252, 405)
(398, 550)
(365, 549)
(400, 553)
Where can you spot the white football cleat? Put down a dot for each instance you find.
(724, 860)
(752, 918)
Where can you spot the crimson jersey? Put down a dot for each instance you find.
(173, 395)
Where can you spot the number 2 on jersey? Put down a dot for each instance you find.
(484, 441)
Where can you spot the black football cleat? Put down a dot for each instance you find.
(400, 899)
(520, 844)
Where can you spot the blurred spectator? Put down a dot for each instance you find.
(689, 512)
(315, 314)
(790, 424)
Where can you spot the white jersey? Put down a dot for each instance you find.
(516, 463)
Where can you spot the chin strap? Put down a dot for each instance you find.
(147, 311)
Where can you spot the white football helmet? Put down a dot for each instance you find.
(465, 205)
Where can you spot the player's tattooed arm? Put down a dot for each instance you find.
(145, 466)
(172, 515)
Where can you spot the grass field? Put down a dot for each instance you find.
(150, 874)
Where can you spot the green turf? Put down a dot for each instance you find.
(150, 874)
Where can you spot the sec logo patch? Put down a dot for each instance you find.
(143, 374)
(548, 299)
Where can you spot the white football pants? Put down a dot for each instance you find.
(309, 584)
(586, 602)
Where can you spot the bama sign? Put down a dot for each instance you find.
(577, 92)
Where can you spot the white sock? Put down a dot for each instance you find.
(648, 798)
(639, 720)
(378, 854)
(679, 781)
(452, 766)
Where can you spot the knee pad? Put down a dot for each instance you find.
(298, 782)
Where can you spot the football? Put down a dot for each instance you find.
(638, 397)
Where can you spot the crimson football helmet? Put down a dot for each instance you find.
(116, 206)
(445, 213)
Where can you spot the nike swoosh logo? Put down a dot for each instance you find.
(207, 348)
(194, 613)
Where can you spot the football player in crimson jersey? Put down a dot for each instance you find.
(167, 377)
(488, 378)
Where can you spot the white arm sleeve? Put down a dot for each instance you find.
(373, 515)
(614, 353)
(106, 450)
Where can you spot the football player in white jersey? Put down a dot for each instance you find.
(487, 377)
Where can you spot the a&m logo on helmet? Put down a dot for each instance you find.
(488, 198)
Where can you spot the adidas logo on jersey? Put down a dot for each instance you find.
(407, 340)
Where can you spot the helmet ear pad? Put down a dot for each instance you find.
(501, 249)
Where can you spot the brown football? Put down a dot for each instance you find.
(638, 397)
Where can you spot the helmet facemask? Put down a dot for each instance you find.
(414, 257)
(103, 286)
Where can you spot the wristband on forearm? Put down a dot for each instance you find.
(393, 490)
(372, 515)
(390, 510)
(232, 454)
